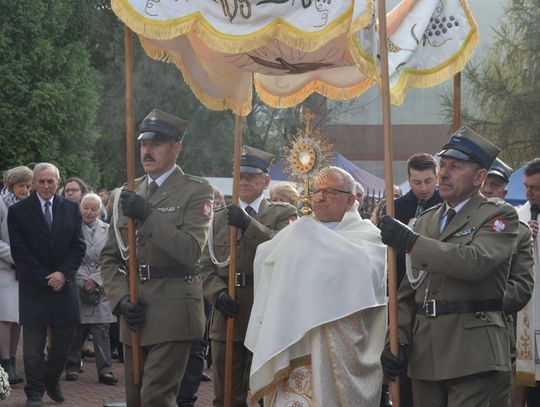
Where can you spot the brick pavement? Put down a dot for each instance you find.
(88, 392)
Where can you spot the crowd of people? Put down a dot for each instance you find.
(307, 316)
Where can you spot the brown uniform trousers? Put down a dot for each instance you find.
(172, 237)
(271, 217)
(468, 261)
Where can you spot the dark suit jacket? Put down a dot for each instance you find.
(38, 252)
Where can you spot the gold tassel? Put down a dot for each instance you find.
(525, 379)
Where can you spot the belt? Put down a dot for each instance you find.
(243, 280)
(432, 308)
(149, 272)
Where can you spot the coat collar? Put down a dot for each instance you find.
(462, 217)
(173, 181)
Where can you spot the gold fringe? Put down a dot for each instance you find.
(525, 379)
(212, 103)
(426, 78)
(279, 376)
(233, 44)
(317, 86)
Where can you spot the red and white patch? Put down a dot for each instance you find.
(206, 210)
(292, 219)
(498, 224)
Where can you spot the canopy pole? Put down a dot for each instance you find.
(389, 190)
(232, 265)
(457, 102)
(130, 161)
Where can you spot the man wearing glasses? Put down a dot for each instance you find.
(320, 305)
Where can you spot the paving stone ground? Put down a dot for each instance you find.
(88, 392)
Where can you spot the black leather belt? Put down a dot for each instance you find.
(148, 272)
(243, 280)
(433, 308)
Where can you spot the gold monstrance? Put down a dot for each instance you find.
(305, 155)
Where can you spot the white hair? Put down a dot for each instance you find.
(92, 197)
(46, 166)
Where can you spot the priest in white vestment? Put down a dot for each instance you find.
(318, 322)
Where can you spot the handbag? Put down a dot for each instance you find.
(92, 298)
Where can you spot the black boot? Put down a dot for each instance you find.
(17, 379)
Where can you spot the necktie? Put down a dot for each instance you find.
(250, 211)
(449, 216)
(419, 208)
(47, 213)
(152, 187)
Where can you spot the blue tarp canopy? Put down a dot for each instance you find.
(365, 178)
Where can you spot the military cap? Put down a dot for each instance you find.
(468, 145)
(161, 125)
(501, 169)
(255, 161)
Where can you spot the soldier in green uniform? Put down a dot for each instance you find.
(172, 211)
(520, 283)
(258, 220)
(452, 328)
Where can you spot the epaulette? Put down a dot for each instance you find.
(219, 209)
(279, 203)
(196, 179)
(494, 201)
(430, 209)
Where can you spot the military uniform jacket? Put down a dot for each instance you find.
(272, 217)
(468, 261)
(173, 235)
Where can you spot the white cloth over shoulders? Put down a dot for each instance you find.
(9, 286)
(320, 300)
(528, 322)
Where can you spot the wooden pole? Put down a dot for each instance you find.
(389, 190)
(232, 265)
(130, 160)
(457, 102)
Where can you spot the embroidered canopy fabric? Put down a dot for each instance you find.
(289, 49)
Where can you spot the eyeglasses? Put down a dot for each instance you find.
(330, 191)
(70, 190)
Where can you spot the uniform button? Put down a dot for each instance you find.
(149, 234)
(424, 265)
(434, 291)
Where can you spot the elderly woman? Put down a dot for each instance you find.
(18, 182)
(95, 311)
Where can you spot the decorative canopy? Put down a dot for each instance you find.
(288, 49)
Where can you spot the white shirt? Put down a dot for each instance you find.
(255, 204)
(457, 208)
(161, 179)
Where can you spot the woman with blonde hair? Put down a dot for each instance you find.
(18, 182)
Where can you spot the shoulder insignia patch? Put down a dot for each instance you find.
(498, 224)
(206, 210)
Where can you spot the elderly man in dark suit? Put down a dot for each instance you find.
(48, 247)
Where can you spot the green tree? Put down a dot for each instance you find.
(49, 92)
(504, 102)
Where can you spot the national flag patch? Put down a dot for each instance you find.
(206, 210)
(498, 224)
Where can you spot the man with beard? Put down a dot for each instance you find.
(172, 212)
(452, 328)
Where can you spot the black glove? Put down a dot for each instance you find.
(133, 314)
(134, 206)
(238, 217)
(394, 366)
(396, 234)
(227, 306)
